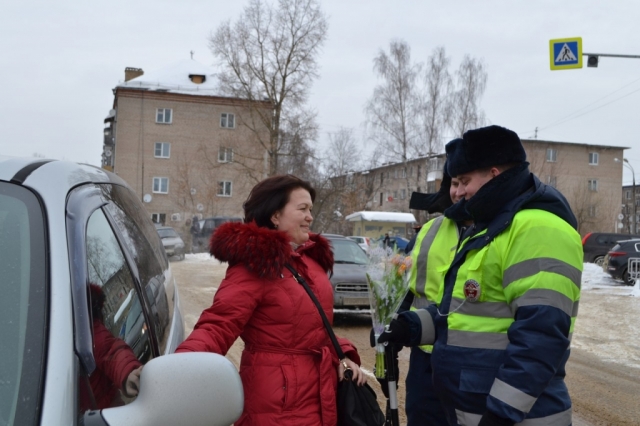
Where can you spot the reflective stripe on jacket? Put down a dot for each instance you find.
(431, 256)
(506, 317)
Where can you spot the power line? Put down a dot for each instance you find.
(573, 114)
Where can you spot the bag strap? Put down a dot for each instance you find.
(327, 326)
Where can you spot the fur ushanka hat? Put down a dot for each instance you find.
(484, 147)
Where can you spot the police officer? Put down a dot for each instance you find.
(510, 296)
(432, 254)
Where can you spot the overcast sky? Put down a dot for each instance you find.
(60, 61)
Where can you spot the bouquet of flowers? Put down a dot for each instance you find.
(387, 278)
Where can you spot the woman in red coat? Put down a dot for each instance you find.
(289, 368)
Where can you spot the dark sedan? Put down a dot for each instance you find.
(616, 262)
(349, 280)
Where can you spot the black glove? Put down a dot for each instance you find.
(490, 419)
(399, 333)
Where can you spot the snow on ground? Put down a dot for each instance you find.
(607, 323)
(200, 258)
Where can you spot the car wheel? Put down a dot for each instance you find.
(626, 277)
(599, 260)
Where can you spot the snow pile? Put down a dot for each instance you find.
(636, 289)
(200, 258)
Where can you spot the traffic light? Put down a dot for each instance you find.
(592, 61)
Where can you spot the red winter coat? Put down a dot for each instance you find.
(288, 366)
(114, 362)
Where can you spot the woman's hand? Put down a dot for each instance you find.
(358, 376)
(132, 384)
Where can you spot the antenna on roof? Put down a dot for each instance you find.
(192, 52)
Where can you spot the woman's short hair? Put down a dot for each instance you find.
(270, 196)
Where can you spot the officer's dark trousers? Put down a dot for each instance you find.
(422, 404)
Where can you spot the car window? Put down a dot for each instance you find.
(23, 304)
(120, 337)
(347, 251)
(144, 243)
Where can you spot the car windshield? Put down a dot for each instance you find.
(167, 233)
(348, 251)
(23, 303)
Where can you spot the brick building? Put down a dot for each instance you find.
(181, 146)
(589, 176)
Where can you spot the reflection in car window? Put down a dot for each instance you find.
(22, 304)
(121, 340)
(347, 251)
(143, 241)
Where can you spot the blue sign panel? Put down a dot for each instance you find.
(565, 53)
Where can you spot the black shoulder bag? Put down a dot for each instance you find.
(357, 405)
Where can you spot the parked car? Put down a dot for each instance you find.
(173, 244)
(350, 289)
(362, 242)
(207, 226)
(82, 266)
(399, 242)
(595, 245)
(617, 260)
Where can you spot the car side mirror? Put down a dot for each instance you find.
(194, 388)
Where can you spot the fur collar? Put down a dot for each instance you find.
(264, 251)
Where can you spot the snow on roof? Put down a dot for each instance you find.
(382, 217)
(175, 79)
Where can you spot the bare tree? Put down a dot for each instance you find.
(435, 111)
(269, 56)
(392, 111)
(471, 82)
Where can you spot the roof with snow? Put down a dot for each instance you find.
(175, 79)
(382, 217)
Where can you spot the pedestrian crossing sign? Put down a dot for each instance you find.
(565, 53)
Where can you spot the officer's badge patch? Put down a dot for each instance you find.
(472, 290)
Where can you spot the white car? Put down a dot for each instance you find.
(85, 284)
(362, 242)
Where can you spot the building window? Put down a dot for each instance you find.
(435, 164)
(593, 184)
(593, 158)
(225, 155)
(403, 194)
(162, 150)
(403, 173)
(161, 185)
(228, 121)
(158, 218)
(224, 188)
(627, 194)
(381, 180)
(592, 211)
(552, 155)
(551, 181)
(431, 187)
(163, 115)
(381, 196)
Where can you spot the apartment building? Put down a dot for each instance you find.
(589, 176)
(629, 207)
(183, 148)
